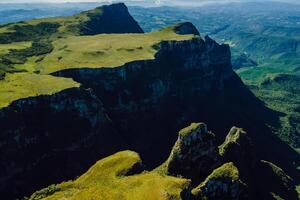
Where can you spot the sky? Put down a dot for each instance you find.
(156, 2)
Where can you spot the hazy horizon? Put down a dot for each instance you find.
(148, 2)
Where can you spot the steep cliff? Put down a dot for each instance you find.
(194, 154)
(50, 138)
(114, 18)
(189, 80)
(140, 106)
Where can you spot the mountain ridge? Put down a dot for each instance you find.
(138, 105)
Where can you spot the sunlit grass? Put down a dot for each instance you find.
(105, 50)
(71, 52)
(4, 48)
(105, 180)
(22, 85)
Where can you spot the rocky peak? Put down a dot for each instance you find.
(186, 28)
(237, 147)
(194, 153)
(275, 181)
(113, 18)
(223, 183)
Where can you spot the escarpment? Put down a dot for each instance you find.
(139, 106)
(189, 80)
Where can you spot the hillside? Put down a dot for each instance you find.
(120, 175)
(74, 94)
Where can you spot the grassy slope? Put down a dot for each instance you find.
(5, 48)
(22, 85)
(107, 180)
(105, 50)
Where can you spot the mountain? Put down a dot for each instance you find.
(264, 42)
(71, 96)
(218, 173)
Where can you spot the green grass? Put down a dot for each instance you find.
(298, 190)
(107, 180)
(54, 27)
(187, 130)
(5, 48)
(281, 93)
(22, 85)
(225, 172)
(105, 50)
(59, 49)
(233, 137)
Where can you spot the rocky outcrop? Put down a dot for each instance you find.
(274, 181)
(227, 171)
(113, 18)
(194, 154)
(47, 139)
(237, 148)
(186, 28)
(223, 183)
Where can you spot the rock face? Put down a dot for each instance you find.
(113, 18)
(186, 28)
(223, 183)
(237, 148)
(194, 154)
(227, 173)
(49, 138)
(275, 181)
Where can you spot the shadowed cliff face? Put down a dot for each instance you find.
(114, 18)
(49, 138)
(149, 101)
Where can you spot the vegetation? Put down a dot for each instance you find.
(281, 93)
(22, 85)
(185, 131)
(102, 50)
(226, 172)
(284, 178)
(26, 32)
(233, 137)
(19, 56)
(107, 179)
(31, 51)
(5, 48)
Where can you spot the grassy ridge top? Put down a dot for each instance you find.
(105, 50)
(22, 85)
(107, 180)
(65, 25)
(30, 51)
